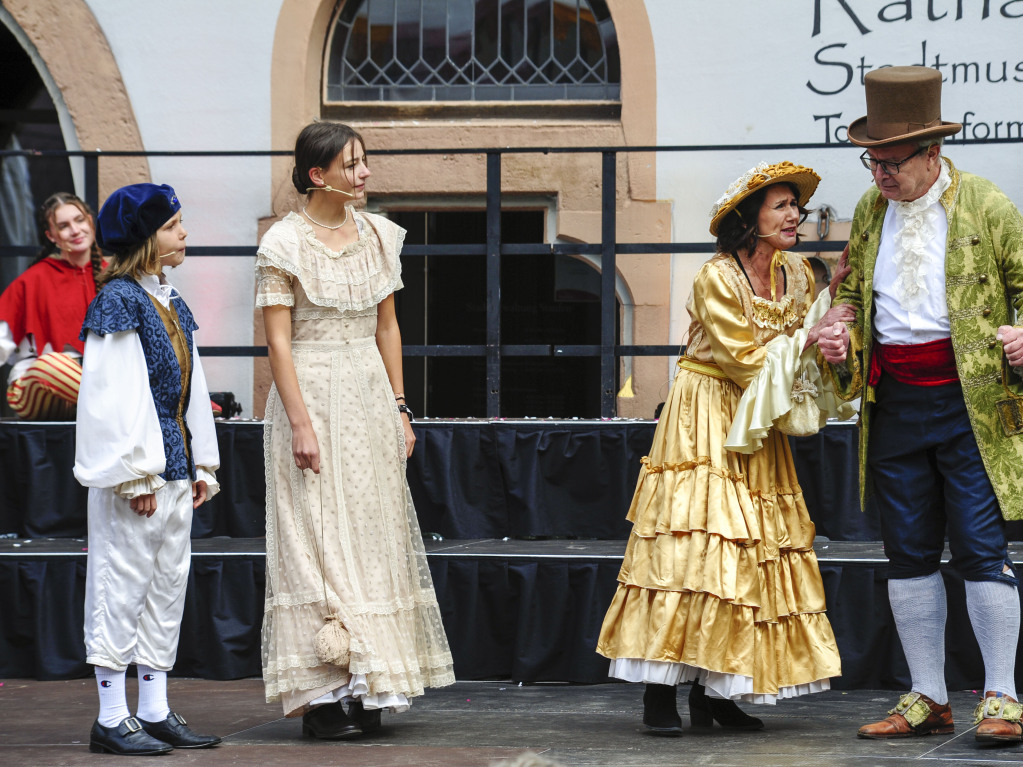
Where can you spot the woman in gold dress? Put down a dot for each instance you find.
(720, 585)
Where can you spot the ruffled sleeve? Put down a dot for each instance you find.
(769, 394)
(728, 331)
(119, 444)
(273, 286)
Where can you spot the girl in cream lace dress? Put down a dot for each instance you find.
(341, 530)
(720, 585)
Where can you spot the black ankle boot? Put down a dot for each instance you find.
(705, 710)
(660, 715)
(329, 722)
(368, 721)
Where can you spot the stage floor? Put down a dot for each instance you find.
(476, 724)
(866, 553)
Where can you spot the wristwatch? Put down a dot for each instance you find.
(403, 408)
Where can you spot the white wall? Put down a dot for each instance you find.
(728, 72)
(198, 78)
(767, 71)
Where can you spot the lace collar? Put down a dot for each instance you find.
(310, 235)
(355, 278)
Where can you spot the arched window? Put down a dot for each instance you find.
(473, 50)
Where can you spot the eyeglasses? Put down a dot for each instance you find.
(888, 166)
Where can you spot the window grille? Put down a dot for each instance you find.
(473, 50)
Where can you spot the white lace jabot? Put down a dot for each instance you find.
(916, 226)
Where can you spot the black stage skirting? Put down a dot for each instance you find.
(525, 611)
(528, 609)
(469, 479)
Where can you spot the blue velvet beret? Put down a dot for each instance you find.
(132, 214)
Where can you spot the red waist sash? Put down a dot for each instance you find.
(929, 364)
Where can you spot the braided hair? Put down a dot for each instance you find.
(44, 219)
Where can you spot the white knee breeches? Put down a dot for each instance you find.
(136, 578)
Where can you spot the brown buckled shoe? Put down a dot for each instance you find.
(998, 719)
(915, 715)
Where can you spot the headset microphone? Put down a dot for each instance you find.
(328, 188)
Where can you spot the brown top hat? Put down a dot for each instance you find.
(903, 104)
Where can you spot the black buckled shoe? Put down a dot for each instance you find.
(368, 721)
(330, 722)
(126, 739)
(174, 730)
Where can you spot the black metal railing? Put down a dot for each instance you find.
(493, 250)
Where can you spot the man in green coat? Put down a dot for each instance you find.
(936, 258)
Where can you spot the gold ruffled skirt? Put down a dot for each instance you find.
(720, 581)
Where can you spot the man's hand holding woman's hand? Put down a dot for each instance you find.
(830, 333)
(1012, 344)
(834, 343)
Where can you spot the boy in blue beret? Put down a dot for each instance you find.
(147, 451)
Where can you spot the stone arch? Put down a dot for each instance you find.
(296, 87)
(84, 81)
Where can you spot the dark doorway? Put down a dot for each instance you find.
(28, 120)
(549, 300)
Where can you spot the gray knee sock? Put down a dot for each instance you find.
(994, 614)
(919, 607)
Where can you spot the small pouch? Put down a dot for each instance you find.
(804, 419)
(1010, 409)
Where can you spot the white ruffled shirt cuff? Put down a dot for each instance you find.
(133, 488)
(202, 474)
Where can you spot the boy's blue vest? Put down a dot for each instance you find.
(123, 304)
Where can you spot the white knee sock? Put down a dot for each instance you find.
(113, 705)
(919, 607)
(152, 694)
(994, 614)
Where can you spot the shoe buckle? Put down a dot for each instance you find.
(180, 719)
(905, 703)
(132, 724)
(913, 709)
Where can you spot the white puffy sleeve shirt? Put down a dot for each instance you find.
(119, 444)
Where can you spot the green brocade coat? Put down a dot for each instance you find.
(984, 289)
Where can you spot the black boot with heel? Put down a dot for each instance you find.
(705, 710)
(660, 714)
(368, 721)
(329, 722)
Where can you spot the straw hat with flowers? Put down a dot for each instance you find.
(804, 179)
